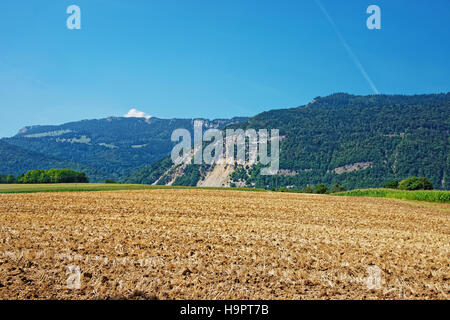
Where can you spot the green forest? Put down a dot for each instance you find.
(108, 148)
(46, 176)
(394, 136)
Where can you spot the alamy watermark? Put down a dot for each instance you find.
(73, 277)
(74, 20)
(374, 20)
(222, 149)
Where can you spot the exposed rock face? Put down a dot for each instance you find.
(284, 172)
(358, 166)
(218, 177)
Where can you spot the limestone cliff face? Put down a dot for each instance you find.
(219, 176)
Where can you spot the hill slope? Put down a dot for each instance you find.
(357, 141)
(115, 146)
(16, 160)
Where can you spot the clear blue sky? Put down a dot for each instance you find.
(209, 58)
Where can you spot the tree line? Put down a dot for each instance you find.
(412, 183)
(409, 184)
(46, 176)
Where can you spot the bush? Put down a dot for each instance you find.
(7, 179)
(10, 179)
(321, 189)
(308, 189)
(415, 183)
(20, 178)
(110, 181)
(421, 195)
(337, 188)
(393, 184)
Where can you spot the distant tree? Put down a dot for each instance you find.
(67, 176)
(10, 179)
(53, 176)
(82, 177)
(321, 189)
(393, 184)
(36, 176)
(2, 178)
(110, 181)
(415, 183)
(337, 188)
(308, 189)
(20, 178)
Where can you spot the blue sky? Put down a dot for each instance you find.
(209, 59)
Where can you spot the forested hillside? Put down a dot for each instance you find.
(115, 146)
(16, 160)
(356, 141)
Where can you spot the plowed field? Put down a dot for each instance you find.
(213, 244)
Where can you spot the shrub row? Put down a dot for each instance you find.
(47, 176)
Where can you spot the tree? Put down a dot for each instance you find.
(308, 189)
(20, 178)
(67, 176)
(81, 177)
(53, 176)
(393, 184)
(321, 189)
(337, 188)
(36, 176)
(10, 179)
(415, 183)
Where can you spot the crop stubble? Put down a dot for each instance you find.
(213, 244)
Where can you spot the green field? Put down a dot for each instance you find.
(61, 187)
(64, 187)
(430, 196)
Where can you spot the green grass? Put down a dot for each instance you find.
(65, 187)
(430, 196)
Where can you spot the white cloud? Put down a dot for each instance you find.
(133, 113)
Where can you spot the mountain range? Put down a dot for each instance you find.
(108, 148)
(356, 141)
